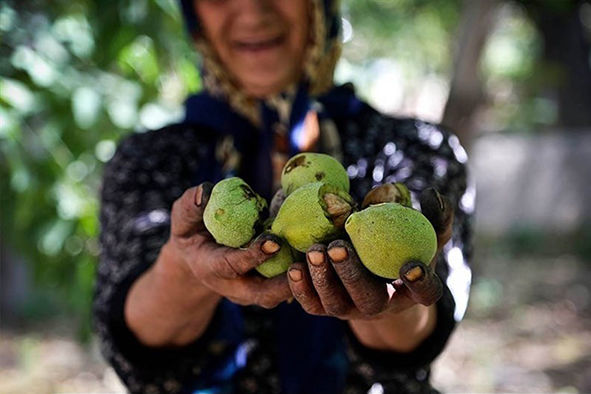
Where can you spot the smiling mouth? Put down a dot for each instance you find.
(260, 45)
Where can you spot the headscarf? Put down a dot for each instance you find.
(322, 54)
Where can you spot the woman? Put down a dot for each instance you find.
(178, 313)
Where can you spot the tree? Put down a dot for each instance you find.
(565, 71)
(466, 92)
(74, 78)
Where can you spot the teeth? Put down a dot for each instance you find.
(260, 43)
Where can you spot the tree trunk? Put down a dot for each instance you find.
(567, 51)
(466, 92)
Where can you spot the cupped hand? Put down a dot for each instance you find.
(224, 270)
(334, 282)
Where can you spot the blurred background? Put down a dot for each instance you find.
(512, 78)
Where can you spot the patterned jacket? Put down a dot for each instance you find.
(241, 349)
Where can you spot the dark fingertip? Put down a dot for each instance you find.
(436, 207)
(339, 250)
(276, 203)
(414, 274)
(267, 236)
(270, 246)
(338, 254)
(202, 193)
(432, 198)
(315, 257)
(427, 200)
(295, 274)
(412, 271)
(439, 199)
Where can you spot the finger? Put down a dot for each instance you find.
(268, 293)
(255, 290)
(401, 298)
(367, 291)
(231, 263)
(187, 211)
(423, 284)
(303, 290)
(276, 203)
(438, 209)
(333, 296)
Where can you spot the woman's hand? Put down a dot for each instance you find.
(224, 270)
(333, 281)
(173, 302)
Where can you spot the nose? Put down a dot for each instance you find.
(255, 13)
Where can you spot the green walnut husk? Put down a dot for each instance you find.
(314, 213)
(233, 212)
(308, 167)
(389, 192)
(278, 263)
(388, 235)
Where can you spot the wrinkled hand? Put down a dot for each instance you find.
(222, 269)
(333, 281)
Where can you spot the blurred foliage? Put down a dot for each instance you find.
(415, 41)
(512, 69)
(537, 66)
(406, 44)
(418, 38)
(418, 34)
(75, 77)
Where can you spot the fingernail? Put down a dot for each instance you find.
(295, 274)
(270, 247)
(206, 188)
(338, 254)
(439, 200)
(315, 257)
(414, 274)
(198, 195)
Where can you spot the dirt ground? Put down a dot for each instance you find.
(527, 330)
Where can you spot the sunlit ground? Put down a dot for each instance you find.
(528, 329)
(47, 363)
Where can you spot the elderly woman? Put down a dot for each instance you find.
(177, 312)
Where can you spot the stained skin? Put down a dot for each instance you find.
(307, 167)
(279, 262)
(388, 235)
(233, 212)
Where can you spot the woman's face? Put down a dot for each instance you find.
(260, 42)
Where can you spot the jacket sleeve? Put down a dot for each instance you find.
(420, 155)
(140, 183)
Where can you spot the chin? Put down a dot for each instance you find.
(264, 87)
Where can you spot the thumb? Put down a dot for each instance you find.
(438, 209)
(424, 286)
(187, 210)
